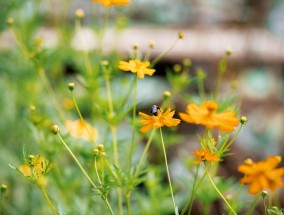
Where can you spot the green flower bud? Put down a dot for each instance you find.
(3, 188)
(95, 152)
(180, 35)
(10, 21)
(101, 147)
(79, 13)
(264, 194)
(71, 86)
(243, 120)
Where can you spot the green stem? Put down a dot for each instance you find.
(218, 191)
(77, 161)
(50, 91)
(128, 203)
(48, 200)
(160, 56)
(167, 168)
(226, 146)
(133, 123)
(83, 170)
(189, 203)
(144, 153)
(82, 119)
(96, 170)
(201, 90)
(102, 33)
(264, 206)
(1, 203)
(253, 205)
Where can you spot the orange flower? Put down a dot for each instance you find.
(206, 115)
(80, 129)
(136, 66)
(108, 3)
(262, 175)
(205, 155)
(36, 166)
(162, 119)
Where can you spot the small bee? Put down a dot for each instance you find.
(155, 109)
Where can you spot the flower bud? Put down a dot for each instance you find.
(3, 188)
(105, 63)
(10, 21)
(55, 129)
(152, 45)
(167, 94)
(79, 13)
(243, 120)
(264, 193)
(71, 86)
(186, 62)
(136, 46)
(103, 154)
(177, 68)
(95, 152)
(228, 52)
(101, 147)
(180, 35)
(32, 108)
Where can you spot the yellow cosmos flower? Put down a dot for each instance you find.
(108, 3)
(262, 175)
(136, 66)
(36, 166)
(205, 155)
(162, 119)
(206, 115)
(80, 129)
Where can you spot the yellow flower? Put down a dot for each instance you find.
(108, 3)
(162, 119)
(205, 155)
(206, 115)
(262, 175)
(36, 166)
(80, 129)
(136, 66)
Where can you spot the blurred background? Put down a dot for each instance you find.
(252, 29)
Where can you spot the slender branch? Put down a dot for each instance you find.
(48, 200)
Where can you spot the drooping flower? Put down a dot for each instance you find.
(205, 155)
(206, 115)
(262, 175)
(158, 120)
(136, 66)
(108, 3)
(81, 129)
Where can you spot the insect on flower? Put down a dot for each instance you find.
(154, 110)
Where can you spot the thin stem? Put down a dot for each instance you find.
(167, 168)
(253, 205)
(226, 146)
(102, 33)
(160, 56)
(144, 153)
(82, 119)
(201, 90)
(218, 191)
(96, 170)
(133, 123)
(77, 161)
(51, 93)
(128, 203)
(264, 206)
(48, 200)
(84, 172)
(189, 203)
(87, 61)
(1, 203)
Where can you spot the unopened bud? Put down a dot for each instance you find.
(95, 152)
(136, 46)
(186, 62)
(101, 147)
(55, 129)
(264, 193)
(71, 86)
(167, 94)
(177, 68)
(79, 13)
(105, 63)
(228, 51)
(3, 188)
(152, 45)
(103, 154)
(10, 21)
(243, 120)
(180, 35)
